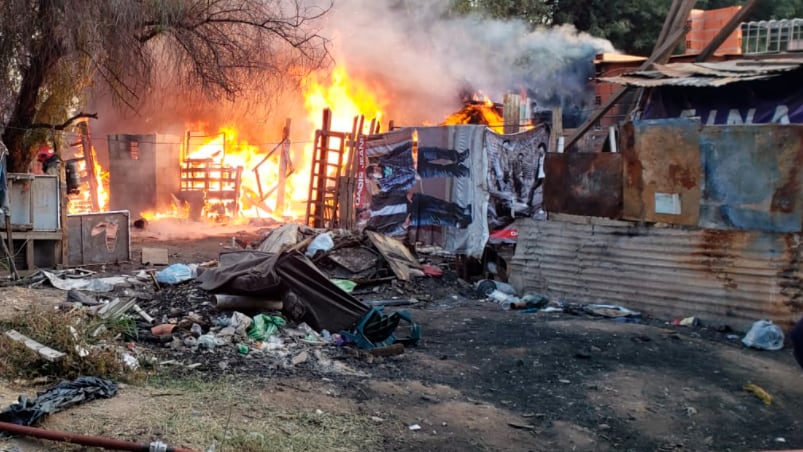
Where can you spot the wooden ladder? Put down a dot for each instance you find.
(327, 170)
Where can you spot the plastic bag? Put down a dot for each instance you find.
(265, 326)
(323, 242)
(345, 284)
(64, 395)
(764, 335)
(176, 273)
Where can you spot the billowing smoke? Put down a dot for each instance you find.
(416, 55)
(425, 57)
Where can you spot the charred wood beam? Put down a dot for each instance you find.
(65, 124)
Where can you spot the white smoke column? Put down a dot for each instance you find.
(427, 57)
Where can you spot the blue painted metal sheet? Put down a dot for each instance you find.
(753, 177)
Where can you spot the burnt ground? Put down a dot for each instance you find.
(487, 379)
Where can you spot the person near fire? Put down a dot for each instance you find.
(48, 160)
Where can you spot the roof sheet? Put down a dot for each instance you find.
(709, 74)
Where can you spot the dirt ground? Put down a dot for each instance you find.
(480, 379)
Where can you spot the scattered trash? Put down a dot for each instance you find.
(64, 395)
(764, 335)
(414, 427)
(43, 350)
(486, 287)
(176, 273)
(130, 361)
(759, 392)
(57, 280)
(225, 302)
(265, 326)
(163, 329)
(433, 271)
(521, 426)
(611, 311)
(154, 256)
(401, 302)
(322, 242)
(687, 321)
(345, 284)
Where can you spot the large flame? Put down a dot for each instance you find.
(346, 98)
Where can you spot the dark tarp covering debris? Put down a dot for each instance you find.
(243, 273)
(316, 301)
(64, 395)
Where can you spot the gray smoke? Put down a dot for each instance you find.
(419, 56)
(426, 58)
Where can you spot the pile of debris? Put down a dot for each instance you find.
(286, 302)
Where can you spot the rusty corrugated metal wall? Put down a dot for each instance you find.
(726, 277)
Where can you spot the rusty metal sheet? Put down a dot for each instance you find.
(722, 277)
(99, 238)
(584, 183)
(753, 177)
(709, 74)
(661, 173)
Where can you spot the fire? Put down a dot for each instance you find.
(347, 97)
(253, 171)
(478, 111)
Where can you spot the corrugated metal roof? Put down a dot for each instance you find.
(731, 277)
(710, 74)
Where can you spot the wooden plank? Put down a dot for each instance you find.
(43, 350)
(400, 259)
(155, 256)
(116, 308)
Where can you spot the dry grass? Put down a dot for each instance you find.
(230, 415)
(53, 329)
(223, 415)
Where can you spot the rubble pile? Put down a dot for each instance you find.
(287, 302)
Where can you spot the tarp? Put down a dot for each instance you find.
(515, 173)
(323, 305)
(64, 395)
(425, 188)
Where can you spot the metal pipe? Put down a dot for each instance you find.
(86, 440)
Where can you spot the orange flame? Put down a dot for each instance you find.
(346, 97)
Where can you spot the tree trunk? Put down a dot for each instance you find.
(45, 53)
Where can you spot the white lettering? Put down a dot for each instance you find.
(734, 117)
(781, 115)
(690, 113)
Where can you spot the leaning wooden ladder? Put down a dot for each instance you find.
(327, 170)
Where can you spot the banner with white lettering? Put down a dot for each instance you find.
(775, 101)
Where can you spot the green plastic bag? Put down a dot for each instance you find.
(345, 284)
(265, 326)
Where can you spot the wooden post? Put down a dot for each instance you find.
(89, 158)
(64, 203)
(284, 158)
(557, 128)
(511, 112)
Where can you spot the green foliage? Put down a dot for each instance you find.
(631, 25)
